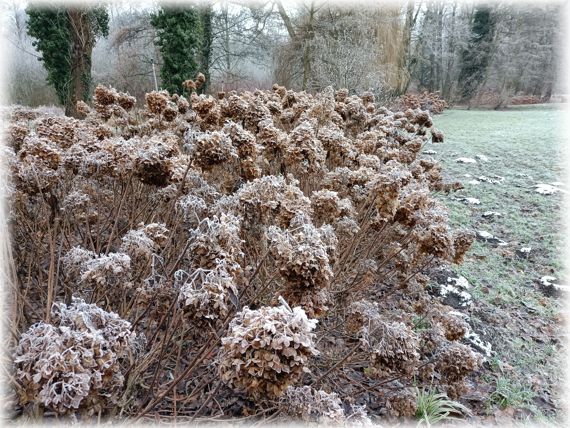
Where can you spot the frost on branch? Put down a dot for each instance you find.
(76, 362)
(267, 350)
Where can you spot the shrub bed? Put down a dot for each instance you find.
(252, 249)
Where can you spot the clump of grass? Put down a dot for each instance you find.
(434, 407)
(509, 393)
(420, 324)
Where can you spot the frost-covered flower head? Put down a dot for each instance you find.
(76, 361)
(209, 293)
(271, 200)
(145, 240)
(310, 405)
(217, 238)
(266, 350)
(106, 269)
(302, 252)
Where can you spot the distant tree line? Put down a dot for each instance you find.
(461, 49)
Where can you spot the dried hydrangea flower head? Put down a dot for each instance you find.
(305, 152)
(145, 240)
(271, 200)
(455, 327)
(153, 159)
(156, 102)
(303, 255)
(104, 96)
(341, 95)
(190, 85)
(74, 262)
(393, 346)
(385, 189)
(361, 316)
(217, 238)
(126, 101)
(402, 403)
(106, 270)
(193, 208)
(462, 241)
(75, 363)
(200, 80)
(328, 207)
(306, 404)
(453, 363)
(209, 293)
(82, 108)
(41, 151)
(213, 148)
(456, 361)
(266, 350)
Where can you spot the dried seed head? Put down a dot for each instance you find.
(310, 405)
(266, 350)
(76, 362)
(156, 102)
(209, 293)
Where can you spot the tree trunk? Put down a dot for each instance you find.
(405, 65)
(440, 49)
(307, 49)
(448, 82)
(286, 20)
(206, 18)
(82, 41)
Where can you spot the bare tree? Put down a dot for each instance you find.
(27, 84)
(124, 60)
(242, 42)
(346, 52)
(526, 54)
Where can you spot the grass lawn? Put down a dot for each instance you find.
(524, 147)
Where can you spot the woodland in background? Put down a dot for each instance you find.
(471, 53)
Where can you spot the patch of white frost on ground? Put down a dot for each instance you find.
(465, 160)
(469, 201)
(483, 235)
(487, 214)
(455, 289)
(547, 189)
(477, 343)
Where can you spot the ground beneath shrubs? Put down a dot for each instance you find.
(514, 268)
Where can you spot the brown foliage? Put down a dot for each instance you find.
(428, 101)
(189, 218)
